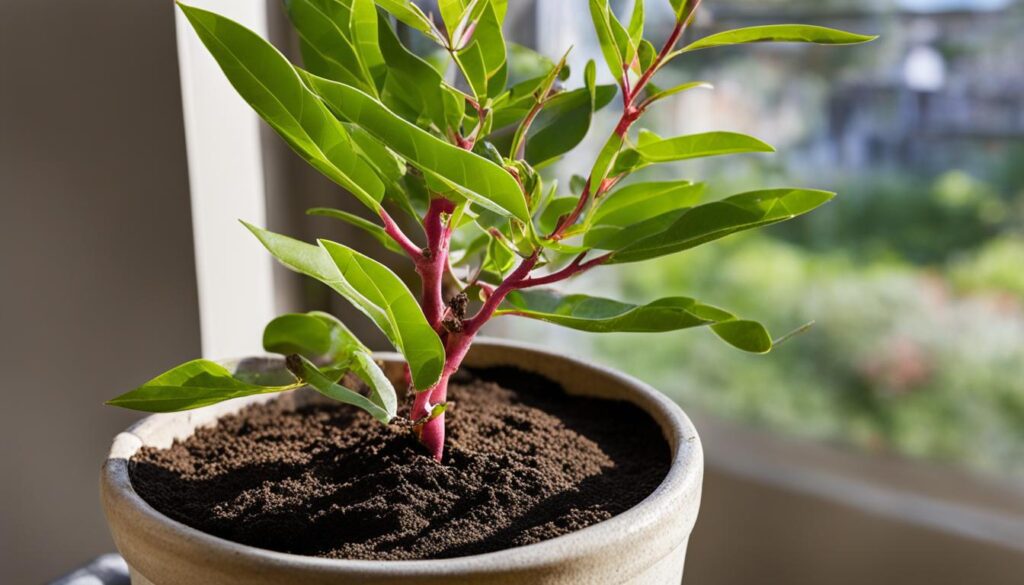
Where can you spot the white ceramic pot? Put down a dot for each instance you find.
(645, 545)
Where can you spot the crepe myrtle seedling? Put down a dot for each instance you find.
(454, 142)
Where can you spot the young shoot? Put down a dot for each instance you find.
(455, 143)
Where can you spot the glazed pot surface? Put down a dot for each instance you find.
(646, 545)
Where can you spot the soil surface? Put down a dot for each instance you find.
(524, 463)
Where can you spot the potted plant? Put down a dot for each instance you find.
(555, 471)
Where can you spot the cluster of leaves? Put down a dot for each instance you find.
(458, 144)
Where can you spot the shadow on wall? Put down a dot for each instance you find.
(98, 276)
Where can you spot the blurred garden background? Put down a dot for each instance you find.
(913, 275)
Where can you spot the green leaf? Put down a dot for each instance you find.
(490, 41)
(191, 385)
(483, 181)
(471, 63)
(556, 208)
(782, 33)
(601, 14)
(314, 335)
(565, 121)
(319, 381)
(299, 256)
(639, 202)
(636, 23)
(685, 148)
(646, 54)
(679, 6)
(451, 14)
(265, 79)
(627, 50)
(366, 225)
(413, 88)
(318, 335)
(382, 392)
(606, 158)
(500, 258)
(711, 221)
(601, 315)
(660, 95)
(366, 36)
(746, 335)
(373, 289)
(325, 28)
(410, 14)
(390, 167)
(379, 293)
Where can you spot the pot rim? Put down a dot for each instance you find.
(684, 477)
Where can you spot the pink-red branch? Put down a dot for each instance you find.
(472, 325)
(434, 260)
(575, 267)
(396, 233)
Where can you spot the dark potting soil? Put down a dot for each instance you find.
(524, 462)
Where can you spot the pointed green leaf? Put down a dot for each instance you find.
(636, 23)
(483, 180)
(606, 159)
(746, 335)
(373, 289)
(711, 221)
(323, 384)
(318, 335)
(646, 54)
(627, 50)
(265, 79)
(564, 122)
(412, 87)
(488, 37)
(685, 148)
(679, 6)
(383, 296)
(556, 208)
(366, 225)
(601, 315)
(297, 255)
(639, 202)
(191, 385)
(601, 14)
(782, 33)
(314, 335)
(660, 95)
(451, 13)
(366, 37)
(500, 258)
(471, 63)
(325, 28)
(410, 14)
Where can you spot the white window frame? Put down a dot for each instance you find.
(226, 180)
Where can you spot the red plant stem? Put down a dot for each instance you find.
(396, 233)
(434, 260)
(575, 267)
(431, 429)
(472, 325)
